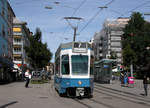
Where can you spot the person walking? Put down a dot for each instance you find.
(145, 83)
(28, 77)
(122, 79)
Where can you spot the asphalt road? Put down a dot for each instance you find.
(15, 95)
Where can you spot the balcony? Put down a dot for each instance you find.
(17, 61)
(17, 52)
(17, 33)
(17, 43)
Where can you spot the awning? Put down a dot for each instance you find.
(16, 67)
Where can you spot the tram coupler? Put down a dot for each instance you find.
(80, 92)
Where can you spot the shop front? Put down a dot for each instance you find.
(6, 67)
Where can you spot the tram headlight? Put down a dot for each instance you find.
(67, 83)
(79, 82)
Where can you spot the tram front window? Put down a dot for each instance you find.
(79, 64)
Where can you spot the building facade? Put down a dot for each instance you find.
(6, 63)
(3, 28)
(20, 39)
(11, 15)
(108, 40)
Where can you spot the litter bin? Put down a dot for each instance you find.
(131, 81)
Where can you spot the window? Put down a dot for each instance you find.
(17, 58)
(17, 49)
(79, 45)
(79, 64)
(65, 65)
(3, 11)
(57, 66)
(3, 30)
(18, 40)
(91, 65)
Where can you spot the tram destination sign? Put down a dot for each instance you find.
(79, 47)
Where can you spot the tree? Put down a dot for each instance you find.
(129, 56)
(113, 55)
(135, 40)
(38, 53)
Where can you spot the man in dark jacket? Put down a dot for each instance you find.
(145, 83)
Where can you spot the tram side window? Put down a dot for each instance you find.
(91, 65)
(57, 67)
(65, 65)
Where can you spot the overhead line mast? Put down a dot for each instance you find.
(74, 13)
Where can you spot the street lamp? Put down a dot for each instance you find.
(73, 27)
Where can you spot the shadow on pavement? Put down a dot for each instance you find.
(6, 105)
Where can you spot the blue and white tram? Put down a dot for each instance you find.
(74, 69)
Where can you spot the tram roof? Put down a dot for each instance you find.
(64, 45)
(105, 61)
(67, 45)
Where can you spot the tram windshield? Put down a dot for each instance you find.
(79, 64)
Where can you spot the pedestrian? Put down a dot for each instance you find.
(145, 83)
(28, 77)
(122, 79)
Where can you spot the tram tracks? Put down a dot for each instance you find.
(122, 93)
(136, 100)
(94, 103)
(122, 96)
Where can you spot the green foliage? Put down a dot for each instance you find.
(129, 56)
(38, 52)
(113, 55)
(135, 40)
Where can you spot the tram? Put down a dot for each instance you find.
(74, 69)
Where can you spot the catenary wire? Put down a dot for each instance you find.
(74, 14)
(95, 16)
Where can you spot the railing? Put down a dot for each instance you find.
(14, 52)
(17, 43)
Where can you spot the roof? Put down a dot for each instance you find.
(17, 21)
(105, 61)
(66, 45)
(11, 9)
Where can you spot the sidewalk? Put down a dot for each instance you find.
(136, 90)
(15, 95)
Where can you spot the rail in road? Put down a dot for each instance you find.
(110, 94)
(104, 97)
(121, 93)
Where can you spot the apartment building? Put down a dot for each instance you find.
(20, 39)
(108, 40)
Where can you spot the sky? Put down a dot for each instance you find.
(55, 29)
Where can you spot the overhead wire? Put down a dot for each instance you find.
(95, 15)
(138, 7)
(114, 11)
(74, 13)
